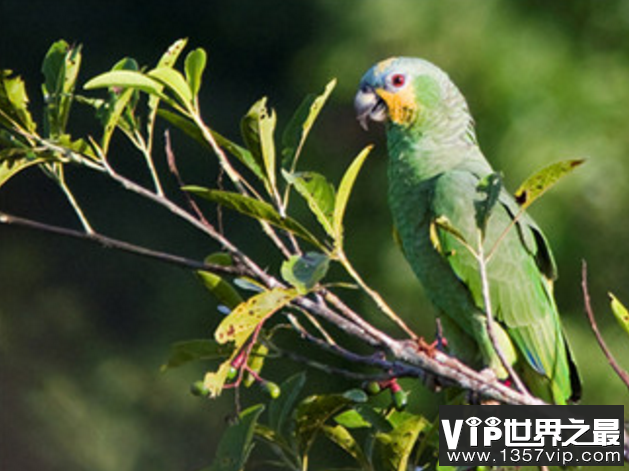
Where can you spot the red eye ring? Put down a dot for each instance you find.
(398, 80)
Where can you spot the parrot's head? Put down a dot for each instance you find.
(405, 91)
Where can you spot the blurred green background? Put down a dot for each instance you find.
(83, 331)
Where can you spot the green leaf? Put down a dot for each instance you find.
(374, 417)
(394, 449)
(620, 313)
(10, 168)
(255, 209)
(80, 146)
(363, 416)
(195, 350)
(281, 410)
(221, 289)
(14, 102)
(195, 65)
(268, 434)
(344, 191)
(127, 79)
(53, 65)
(237, 442)
(191, 129)
(318, 193)
(249, 284)
(60, 68)
(117, 104)
(168, 59)
(352, 419)
(257, 129)
(175, 82)
(224, 292)
(314, 412)
(341, 436)
(305, 271)
(536, 185)
(298, 128)
(356, 395)
(488, 189)
(214, 381)
(267, 144)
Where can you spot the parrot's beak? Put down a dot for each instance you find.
(369, 105)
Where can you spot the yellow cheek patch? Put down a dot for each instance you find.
(402, 105)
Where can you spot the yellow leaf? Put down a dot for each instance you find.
(238, 326)
(620, 312)
(214, 381)
(243, 320)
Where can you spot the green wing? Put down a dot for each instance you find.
(520, 275)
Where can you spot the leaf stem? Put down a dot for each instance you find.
(374, 295)
(75, 205)
(148, 158)
(222, 158)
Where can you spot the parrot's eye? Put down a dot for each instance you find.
(398, 80)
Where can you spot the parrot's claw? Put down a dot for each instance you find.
(430, 348)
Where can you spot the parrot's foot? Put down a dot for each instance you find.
(430, 348)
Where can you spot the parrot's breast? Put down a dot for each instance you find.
(410, 197)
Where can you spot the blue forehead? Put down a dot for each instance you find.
(377, 75)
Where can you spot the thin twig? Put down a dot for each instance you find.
(391, 370)
(504, 233)
(622, 374)
(266, 227)
(75, 205)
(108, 242)
(145, 149)
(373, 294)
(317, 325)
(355, 319)
(219, 208)
(210, 231)
(482, 268)
(172, 166)
(323, 344)
(235, 177)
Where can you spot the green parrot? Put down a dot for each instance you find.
(435, 168)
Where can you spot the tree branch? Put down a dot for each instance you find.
(409, 360)
(111, 243)
(620, 372)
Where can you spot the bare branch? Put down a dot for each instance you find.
(108, 242)
(375, 296)
(172, 166)
(622, 374)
